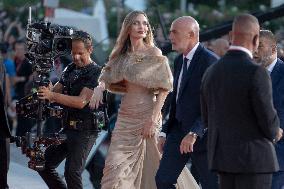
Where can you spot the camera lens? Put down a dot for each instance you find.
(62, 46)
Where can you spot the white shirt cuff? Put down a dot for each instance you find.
(162, 134)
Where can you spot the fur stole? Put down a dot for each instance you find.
(152, 72)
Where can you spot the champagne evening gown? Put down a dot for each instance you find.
(132, 161)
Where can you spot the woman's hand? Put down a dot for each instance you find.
(97, 97)
(161, 143)
(149, 129)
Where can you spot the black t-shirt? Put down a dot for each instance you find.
(74, 79)
(25, 69)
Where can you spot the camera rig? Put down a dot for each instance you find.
(34, 147)
(45, 42)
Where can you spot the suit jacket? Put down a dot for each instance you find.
(277, 78)
(189, 97)
(237, 108)
(4, 126)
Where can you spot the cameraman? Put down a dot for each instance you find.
(73, 91)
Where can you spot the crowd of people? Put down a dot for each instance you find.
(225, 115)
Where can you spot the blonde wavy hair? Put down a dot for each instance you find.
(123, 44)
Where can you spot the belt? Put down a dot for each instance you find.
(81, 125)
(73, 124)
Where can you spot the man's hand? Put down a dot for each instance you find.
(50, 86)
(279, 134)
(97, 98)
(186, 145)
(161, 143)
(44, 93)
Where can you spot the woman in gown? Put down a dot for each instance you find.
(137, 70)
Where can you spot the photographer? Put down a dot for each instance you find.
(73, 91)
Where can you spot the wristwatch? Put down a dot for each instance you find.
(193, 134)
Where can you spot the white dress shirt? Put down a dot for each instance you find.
(240, 48)
(271, 66)
(189, 56)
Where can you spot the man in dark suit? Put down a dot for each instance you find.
(267, 57)
(182, 136)
(237, 108)
(4, 130)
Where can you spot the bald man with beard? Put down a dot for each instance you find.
(237, 109)
(183, 136)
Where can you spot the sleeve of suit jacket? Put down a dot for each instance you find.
(261, 95)
(200, 125)
(203, 103)
(165, 126)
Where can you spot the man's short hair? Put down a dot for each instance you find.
(83, 36)
(246, 24)
(267, 34)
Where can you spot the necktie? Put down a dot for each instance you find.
(184, 73)
(182, 82)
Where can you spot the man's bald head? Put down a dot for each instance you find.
(188, 23)
(245, 31)
(184, 34)
(245, 24)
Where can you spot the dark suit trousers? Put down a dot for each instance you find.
(173, 162)
(75, 149)
(245, 181)
(278, 180)
(4, 161)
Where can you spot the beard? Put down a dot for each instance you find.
(264, 61)
(79, 63)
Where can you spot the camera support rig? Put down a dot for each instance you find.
(45, 42)
(33, 145)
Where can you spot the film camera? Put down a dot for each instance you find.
(45, 42)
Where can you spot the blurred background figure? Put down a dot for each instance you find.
(24, 71)
(220, 46)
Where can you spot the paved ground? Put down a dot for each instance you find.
(21, 177)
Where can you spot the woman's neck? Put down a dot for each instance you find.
(137, 45)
